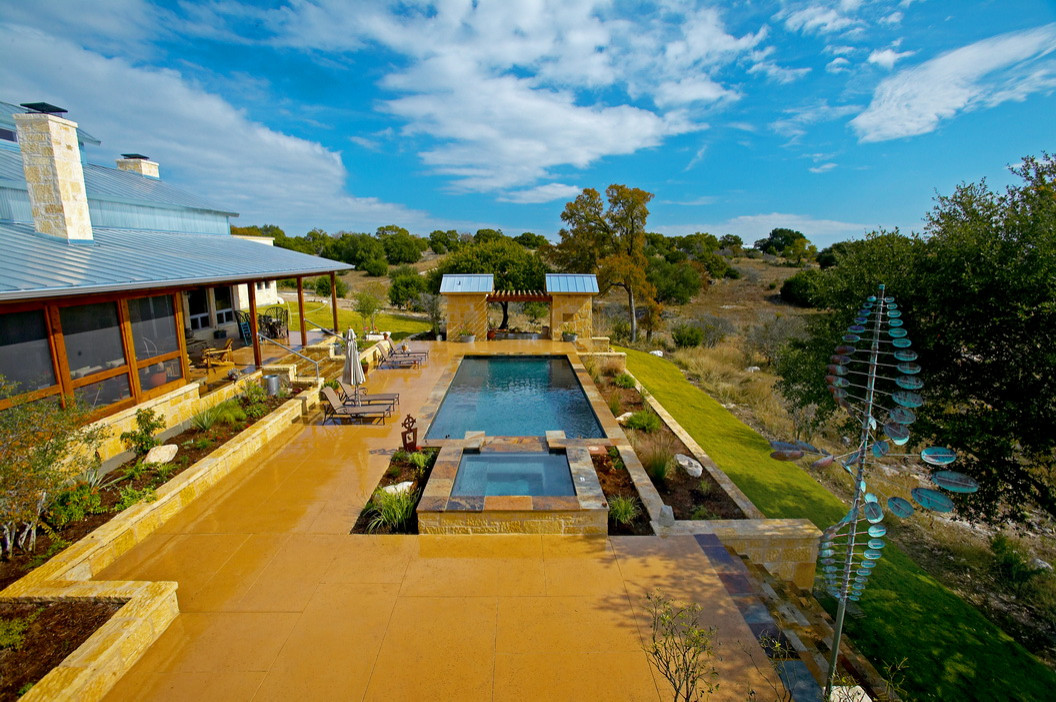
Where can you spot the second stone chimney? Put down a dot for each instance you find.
(51, 160)
(138, 163)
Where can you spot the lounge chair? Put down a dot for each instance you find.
(409, 353)
(393, 361)
(355, 396)
(220, 356)
(334, 409)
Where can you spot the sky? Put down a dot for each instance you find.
(832, 117)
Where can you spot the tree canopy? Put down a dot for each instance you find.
(609, 242)
(789, 243)
(978, 291)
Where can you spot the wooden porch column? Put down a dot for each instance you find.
(333, 299)
(251, 286)
(300, 310)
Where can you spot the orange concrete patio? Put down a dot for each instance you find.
(279, 601)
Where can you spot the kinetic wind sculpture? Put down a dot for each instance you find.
(873, 376)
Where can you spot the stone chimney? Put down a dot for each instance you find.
(138, 163)
(51, 159)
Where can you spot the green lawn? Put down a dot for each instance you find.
(400, 326)
(952, 651)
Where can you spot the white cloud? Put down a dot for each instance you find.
(984, 74)
(777, 74)
(796, 121)
(202, 143)
(892, 19)
(542, 193)
(822, 168)
(690, 90)
(887, 58)
(820, 18)
(838, 65)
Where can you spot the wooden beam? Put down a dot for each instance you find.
(300, 310)
(181, 337)
(257, 358)
(333, 299)
(125, 325)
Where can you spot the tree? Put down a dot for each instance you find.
(356, 249)
(828, 257)
(978, 293)
(609, 242)
(801, 288)
(514, 268)
(535, 311)
(530, 241)
(368, 303)
(400, 246)
(733, 243)
(42, 447)
(441, 242)
(486, 236)
(430, 304)
(675, 283)
(778, 240)
(321, 286)
(406, 286)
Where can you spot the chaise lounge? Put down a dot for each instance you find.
(334, 409)
(355, 396)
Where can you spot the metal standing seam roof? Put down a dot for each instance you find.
(36, 265)
(460, 283)
(112, 185)
(7, 121)
(571, 283)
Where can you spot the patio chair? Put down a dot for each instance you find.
(409, 353)
(334, 409)
(219, 357)
(393, 361)
(357, 396)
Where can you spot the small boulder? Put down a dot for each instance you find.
(658, 353)
(162, 454)
(690, 465)
(667, 516)
(622, 419)
(398, 488)
(753, 369)
(1041, 565)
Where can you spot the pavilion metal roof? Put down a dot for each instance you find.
(36, 265)
(571, 283)
(7, 121)
(463, 283)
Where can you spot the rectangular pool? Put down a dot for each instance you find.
(515, 396)
(494, 473)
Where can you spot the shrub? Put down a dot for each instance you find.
(74, 504)
(681, 649)
(657, 454)
(130, 496)
(644, 420)
(254, 411)
(141, 440)
(164, 471)
(135, 471)
(702, 513)
(419, 459)
(802, 288)
(623, 510)
(621, 331)
(623, 380)
(391, 509)
(1012, 564)
(321, 286)
(253, 393)
(376, 267)
(12, 631)
(199, 444)
(57, 546)
(231, 412)
(687, 336)
(401, 456)
(614, 405)
(204, 420)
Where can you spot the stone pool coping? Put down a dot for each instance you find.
(439, 512)
(148, 608)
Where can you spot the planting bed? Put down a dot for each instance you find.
(689, 498)
(56, 629)
(616, 482)
(400, 470)
(192, 449)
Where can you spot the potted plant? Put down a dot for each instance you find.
(365, 365)
(157, 374)
(466, 335)
(568, 333)
(491, 331)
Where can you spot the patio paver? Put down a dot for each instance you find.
(279, 601)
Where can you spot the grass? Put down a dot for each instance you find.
(400, 326)
(953, 652)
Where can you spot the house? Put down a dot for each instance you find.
(106, 272)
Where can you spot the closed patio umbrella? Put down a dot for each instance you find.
(352, 373)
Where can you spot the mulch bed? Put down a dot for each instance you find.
(190, 453)
(689, 498)
(57, 629)
(400, 470)
(616, 482)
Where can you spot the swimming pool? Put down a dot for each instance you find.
(494, 473)
(515, 396)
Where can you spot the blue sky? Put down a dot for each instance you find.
(834, 117)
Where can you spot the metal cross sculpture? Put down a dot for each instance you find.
(873, 376)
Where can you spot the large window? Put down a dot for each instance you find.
(104, 392)
(225, 314)
(25, 356)
(93, 338)
(153, 326)
(198, 306)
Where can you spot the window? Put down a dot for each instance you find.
(198, 304)
(93, 339)
(25, 356)
(224, 312)
(153, 326)
(105, 392)
(157, 374)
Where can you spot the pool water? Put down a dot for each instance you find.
(515, 396)
(536, 474)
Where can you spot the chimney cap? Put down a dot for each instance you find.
(136, 156)
(44, 108)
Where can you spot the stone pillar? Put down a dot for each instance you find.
(138, 164)
(51, 160)
(573, 310)
(467, 311)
